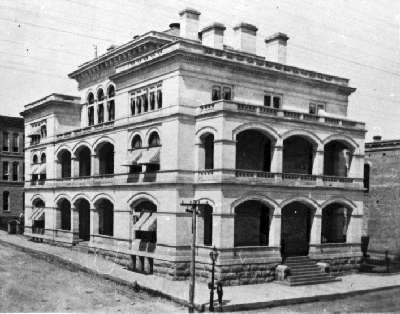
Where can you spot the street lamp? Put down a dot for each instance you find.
(213, 255)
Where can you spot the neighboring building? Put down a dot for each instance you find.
(168, 118)
(382, 197)
(12, 169)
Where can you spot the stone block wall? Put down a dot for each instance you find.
(343, 266)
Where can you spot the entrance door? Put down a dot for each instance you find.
(84, 220)
(296, 224)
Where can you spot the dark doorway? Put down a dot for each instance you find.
(298, 155)
(84, 220)
(84, 162)
(106, 158)
(295, 229)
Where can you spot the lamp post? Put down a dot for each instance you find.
(213, 255)
(194, 205)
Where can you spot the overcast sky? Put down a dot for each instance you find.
(42, 41)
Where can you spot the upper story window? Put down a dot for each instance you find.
(6, 201)
(154, 139)
(273, 101)
(100, 106)
(5, 170)
(315, 107)
(35, 159)
(136, 142)
(43, 158)
(43, 131)
(221, 92)
(6, 142)
(111, 103)
(90, 101)
(38, 131)
(15, 171)
(147, 99)
(15, 143)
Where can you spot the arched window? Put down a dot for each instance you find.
(5, 170)
(145, 222)
(159, 98)
(216, 93)
(65, 161)
(208, 143)
(253, 151)
(84, 162)
(154, 139)
(35, 159)
(334, 224)
(136, 142)
(337, 159)
(111, 103)
(106, 159)
(43, 158)
(367, 170)
(65, 208)
(15, 171)
(106, 217)
(6, 201)
(298, 155)
(205, 226)
(90, 101)
(6, 142)
(100, 95)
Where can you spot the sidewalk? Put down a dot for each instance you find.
(235, 298)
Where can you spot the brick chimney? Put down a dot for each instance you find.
(213, 35)
(245, 38)
(189, 24)
(276, 48)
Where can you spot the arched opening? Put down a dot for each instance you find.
(65, 161)
(205, 226)
(335, 222)
(251, 224)
(154, 139)
(208, 144)
(337, 159)
(106, 159)
(253, 151)
(84, 156)
(136, 142)
(90, 108)
(100, 106)
(43, 158)
(298, 155)
(65, 210)
(83, 207)
(38, 216)
(295, 229)
(35, 159)
(106, 217)
(111, 103)
(145, 221)
(367, 170)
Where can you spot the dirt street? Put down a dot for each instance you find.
(35, 283)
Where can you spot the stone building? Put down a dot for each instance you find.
(12, 169)
(381, 218)
(177, 115)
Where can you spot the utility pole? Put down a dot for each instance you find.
(194, 205)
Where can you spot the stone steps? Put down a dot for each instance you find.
(304, 271)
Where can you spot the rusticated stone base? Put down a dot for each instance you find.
(171, 270)
(116, 257)
(343, 266)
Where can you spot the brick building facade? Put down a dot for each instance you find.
(11, 168)
(381, 217)
(173, 116)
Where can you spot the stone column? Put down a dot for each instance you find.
(57, 215)
(277, 159)
(275, 230)
(75, 224)
(96, 117)
(94, 221)
(318, 164)
(354, 228)
(200, 157)
(316, 229)
(147, 265)
(57, 171)
(74, 167)
(94, 165)
(224, 154)
(356, 167)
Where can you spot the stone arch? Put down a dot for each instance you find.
(342, 138)
(61, 197)
(204, 130)
(149, 132)
(132, 135)
(305, 134)
(102, 140)
(90, 91)
(100, 196)
(75, 200)
(267, 201)
(37, 197)
(343, 201)
(60, 150)
(107, 88)
(268, 131)
(98, 88)
(301, 199)
(137, 198)
(80, 145)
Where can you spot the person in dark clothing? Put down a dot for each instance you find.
(220, 292)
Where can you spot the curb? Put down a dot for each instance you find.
(205, 307)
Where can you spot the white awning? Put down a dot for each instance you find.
(133, 158)
(41, 169)
(34, 132)
(151, 156)
(34, 169)
(150, 224)
(141, 220)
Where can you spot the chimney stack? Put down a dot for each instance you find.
(377, 138)
(276, 48)
(213, 35)
(189, 24)
(245, 38)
